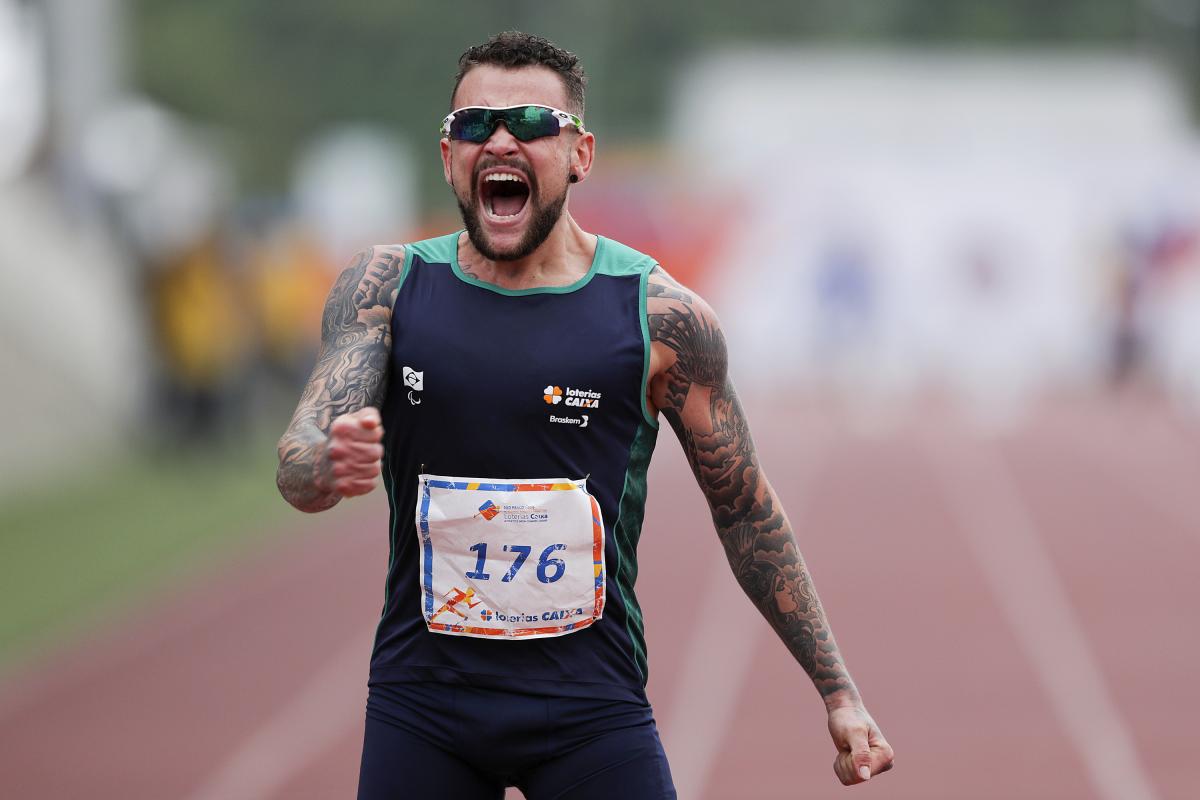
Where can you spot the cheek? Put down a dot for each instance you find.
(460, 174)
(458, 165)
(552, 175)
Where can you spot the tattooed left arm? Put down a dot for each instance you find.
(691, 386)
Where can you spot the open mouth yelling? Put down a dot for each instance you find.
(503, 195)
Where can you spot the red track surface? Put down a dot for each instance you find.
(250, 683)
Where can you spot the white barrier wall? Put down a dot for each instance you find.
(906, 220)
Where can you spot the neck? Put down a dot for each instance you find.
(565, 257)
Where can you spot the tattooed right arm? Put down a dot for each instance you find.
(690, 385)
(350, 375)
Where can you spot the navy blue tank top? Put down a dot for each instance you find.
(488, 382)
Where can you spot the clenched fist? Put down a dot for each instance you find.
(862, 750)
(353, 454)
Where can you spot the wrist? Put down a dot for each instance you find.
(847, 697)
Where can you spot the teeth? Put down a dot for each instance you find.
(504, 176)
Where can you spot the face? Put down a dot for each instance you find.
(512, 193)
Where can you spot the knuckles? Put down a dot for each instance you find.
(355, 487)
(354, 451)
(359, 470)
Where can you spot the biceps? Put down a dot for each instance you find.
(350, 374)
(714, 413)
(716, 439)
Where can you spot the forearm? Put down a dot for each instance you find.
(768, 565)
(304, 476)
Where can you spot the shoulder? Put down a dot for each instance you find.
(435, 250)
(614, 258)
(684, 329)
(675, 308)
(365, 290)
(373, 275)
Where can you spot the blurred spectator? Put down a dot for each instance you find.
(290, 277)
(202, 333)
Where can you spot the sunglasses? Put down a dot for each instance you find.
(528, 122)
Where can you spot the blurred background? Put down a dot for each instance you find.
(954, 244)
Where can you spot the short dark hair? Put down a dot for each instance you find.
(513, 49)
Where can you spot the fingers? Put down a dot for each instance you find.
(850, 773)
(354, 451)
(363, 425)
(349, 451)
(853, 764)
(843, 767)
(882, 757)
(368, 416)
(352, 478)
(354, 488)
(862, 750)
(858, 767)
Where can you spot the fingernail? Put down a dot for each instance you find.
(864, 772)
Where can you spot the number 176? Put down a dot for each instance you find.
(548, 569)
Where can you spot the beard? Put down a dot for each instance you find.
(542, 216)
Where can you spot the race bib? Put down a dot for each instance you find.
(509, 559)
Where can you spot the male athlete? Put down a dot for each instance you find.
(506, 381)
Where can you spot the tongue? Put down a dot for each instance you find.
(507, 206)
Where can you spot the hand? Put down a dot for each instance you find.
(862, 750)
(353, 453)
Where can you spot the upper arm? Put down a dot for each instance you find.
(687, 346)
(690, 385)
(351, 368)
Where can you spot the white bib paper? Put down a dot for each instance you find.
(509, 559)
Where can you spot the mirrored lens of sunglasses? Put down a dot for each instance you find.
(472, 125)
(524, 122)
(531, 122)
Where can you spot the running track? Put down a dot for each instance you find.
(1017, 606)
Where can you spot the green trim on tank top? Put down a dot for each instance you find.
(611, 258)
(622, 260)
(491, 287)
(643, 281)
(627, 530)
(438, 250)
(389, 485)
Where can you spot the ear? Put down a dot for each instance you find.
(446, 160)
(582, 154)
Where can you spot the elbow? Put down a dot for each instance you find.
(301, 494)
(287, 488)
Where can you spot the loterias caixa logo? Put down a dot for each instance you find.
(572, 397)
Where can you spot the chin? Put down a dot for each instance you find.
(514, 236)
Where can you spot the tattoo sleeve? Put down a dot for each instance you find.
(350, 373)
(694, 393)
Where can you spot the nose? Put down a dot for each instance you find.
(501, 142)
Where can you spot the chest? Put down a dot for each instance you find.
(463, 354)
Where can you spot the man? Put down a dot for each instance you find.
(506, 381)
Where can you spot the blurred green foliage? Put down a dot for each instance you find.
(74, 554)
(273, 73)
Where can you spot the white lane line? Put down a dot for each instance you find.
(1162, 468)
(330, 706)
(162, 619)
(1013, 558)
(717, 664)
